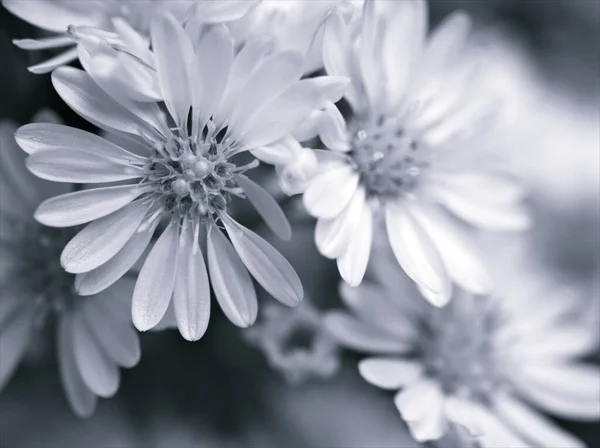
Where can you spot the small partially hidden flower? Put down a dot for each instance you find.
(216, 106)
(94, 336)
(480, 366)
(125, 17)
(296, 342)
(408, 158)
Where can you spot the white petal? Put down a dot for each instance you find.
(44, 43)
(214, 57)
(482, 187)
(102, 239)
(52, 63)
(97, 370)
(332, 236)
(362, 337)
(115, 335)
(533, 425)
(279, 117)
(230, 280)
(224, 11)
(72, 166)
(92, 282)
(330, 89)
(390, 373)
(371, 33)
(308, 128)
(267, 207)
(415, 253)
(422, 407)
(265, 263)
(36, 137)
(83, 95)
(81, 398)
(173, 53)
(156, 280)
(15, 335)
(281, 152)
(84, 206)
(494, 433)
(276, 74)
(54, 16)
(332, 129)
(191, 297)
(456, 251)
(330, 192)
(294, 177)
(353, 262)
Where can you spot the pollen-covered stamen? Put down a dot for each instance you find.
(38, 270)
(193, 177)
(388, 159)
(458, 352)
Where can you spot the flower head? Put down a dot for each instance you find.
(94, 337)
(123, 17)
(406, 155)
(187, 176)
(296, 342)
(478, 364)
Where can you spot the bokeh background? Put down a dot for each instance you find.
(220, 391)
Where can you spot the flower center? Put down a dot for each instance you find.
(38, 271)
(192, 177)
(458, 350)
(389, 160)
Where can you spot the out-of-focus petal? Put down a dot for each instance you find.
(390, 373)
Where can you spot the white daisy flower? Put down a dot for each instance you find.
(93, 334)
(295, 342)
(187, 175)
(297, 24)
(121, 16)
(485, 368)
(404, 157)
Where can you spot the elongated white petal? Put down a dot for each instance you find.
(390, 373)
(66, 165)
(265, 263)
(224, 11)
(533, 425)
(84, 206)
(97, 370)
(173, 53)
(36, 137)
(352, 264)
(191, 297)
(102, 239)
(52, 63)
(330, 89)
(214, 57)
(276, 74)
(44, 43)
(493, 432)
(370, 56)
(330, 192)
(283, 151)
(362, 337)
(99, 279)
(15, 335)
(230, 280)
(416, 254)
(456, 251)
(421, 405)
(332, 236)
(156, 280)
(54, 16)
(83, 95)
(294, 177)
(267, 207)
(115, 335)
(81, 398)
(332, 129)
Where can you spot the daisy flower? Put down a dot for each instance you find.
(487, 368)
(295, 342)
(187, 176)
(406, 156)
(297, 24)
(94, 336)
(122, 16)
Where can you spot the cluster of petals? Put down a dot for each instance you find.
(249, 101)
(94, 335)
(408, 159)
